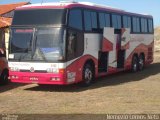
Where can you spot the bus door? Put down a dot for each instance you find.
(123, 37)
(74, 49)
(124, 45)
(106, 53)
(119, 53)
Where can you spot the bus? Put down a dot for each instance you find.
(4, 72)
(76, 42)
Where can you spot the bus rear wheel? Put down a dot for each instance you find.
(4, 77)
(88, 75)
(134, 67)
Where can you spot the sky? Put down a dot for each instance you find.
(151, 7)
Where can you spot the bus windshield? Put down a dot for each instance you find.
(39, 17)
(38, 44)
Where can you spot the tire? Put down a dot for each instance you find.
(141, 63)
(134, 67)
(88, 75)
(4, 77)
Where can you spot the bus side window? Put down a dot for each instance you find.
(90, 21)
(71, 44)
(75, 19)
(150, 26)
(126, 22)
(116, 21)
(104, 20)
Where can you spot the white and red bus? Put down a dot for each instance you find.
(70, 42)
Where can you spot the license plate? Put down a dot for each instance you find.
(34, 78)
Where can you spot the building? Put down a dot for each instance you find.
(6, 14)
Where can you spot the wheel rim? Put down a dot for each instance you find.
(88, 75)
(141, 63)
(135, 65)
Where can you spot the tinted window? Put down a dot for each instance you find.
(39, 17)
(87, 21)
(150, 25)
(48, 44)
(75, 44)
(107, 20)
(144, 27)
(94, 19)
(19, 46)
(101, 20)
(104, 20)
(90, 20)
(126, 22)
(116, 21)
(136, 24)
(75, 19)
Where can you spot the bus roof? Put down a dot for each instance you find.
(64, 4)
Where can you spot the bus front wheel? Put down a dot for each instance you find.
(88, 75)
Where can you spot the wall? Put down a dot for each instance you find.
(6, 41)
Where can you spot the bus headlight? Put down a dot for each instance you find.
(14, 69)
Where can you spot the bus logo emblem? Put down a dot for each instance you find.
(32, 69)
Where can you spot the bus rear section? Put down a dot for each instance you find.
(77, 43)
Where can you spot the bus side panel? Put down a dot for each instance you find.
(140, 43)
(74, 70)
(91, 50)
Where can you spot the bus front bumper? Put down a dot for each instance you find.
(37, 78)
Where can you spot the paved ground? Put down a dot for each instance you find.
(121, 93)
